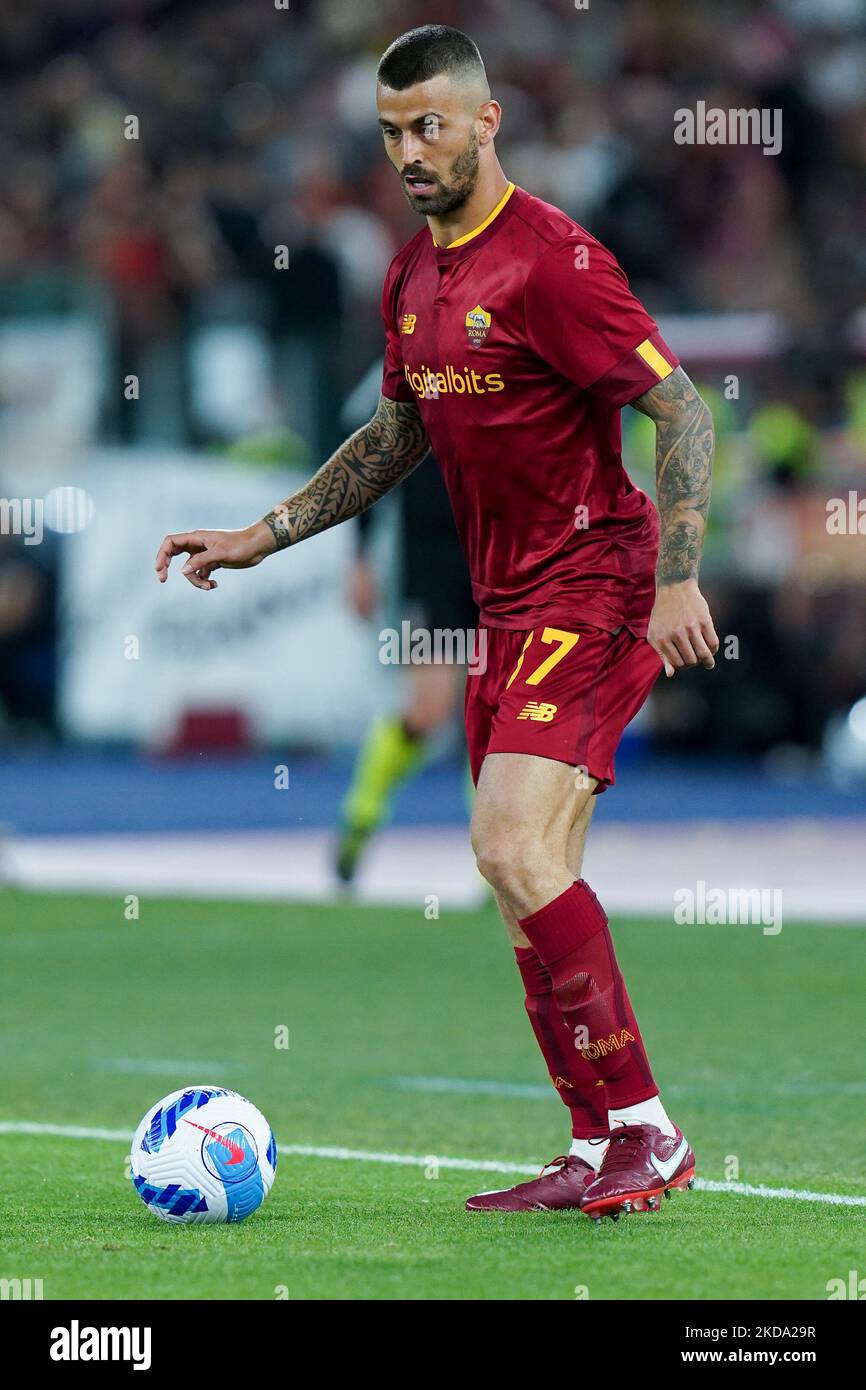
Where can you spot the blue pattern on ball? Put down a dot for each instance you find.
(177, 1200)
(164, 1122)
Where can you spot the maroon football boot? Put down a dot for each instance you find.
(640, 1165)
(559, 1190)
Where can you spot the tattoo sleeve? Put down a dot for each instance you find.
(372, 461)
(684, 461)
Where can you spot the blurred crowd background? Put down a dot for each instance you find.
(254, 128)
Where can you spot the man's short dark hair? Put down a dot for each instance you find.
(426, 52)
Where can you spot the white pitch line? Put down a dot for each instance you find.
(796, 1194)
(63, 1131)
(156, 1066)
(463, 1165)
(468, 1086)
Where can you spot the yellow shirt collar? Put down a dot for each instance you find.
(462, 240)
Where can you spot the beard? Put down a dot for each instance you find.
(461, 183)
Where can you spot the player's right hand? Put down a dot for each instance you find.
(214, 550)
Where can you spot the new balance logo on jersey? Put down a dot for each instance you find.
(409, 321)
(542, 714)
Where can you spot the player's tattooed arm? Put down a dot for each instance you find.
(684, 460)
(370, 463)
(681, 628)
(375, 459)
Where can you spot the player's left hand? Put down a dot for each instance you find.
(681, 629)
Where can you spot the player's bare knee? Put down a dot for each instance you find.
(510, 862)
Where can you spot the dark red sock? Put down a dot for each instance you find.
(586, 1102)
(571, 939)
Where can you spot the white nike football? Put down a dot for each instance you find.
(203, 1154)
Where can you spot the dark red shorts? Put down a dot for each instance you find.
(565, 695)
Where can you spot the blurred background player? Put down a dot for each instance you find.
(434, 593)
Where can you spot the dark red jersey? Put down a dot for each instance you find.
(520, 343)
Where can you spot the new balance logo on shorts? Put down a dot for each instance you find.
(539, 712)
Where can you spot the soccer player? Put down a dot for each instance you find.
(512, 342)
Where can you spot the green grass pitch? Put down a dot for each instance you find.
(757, 1042)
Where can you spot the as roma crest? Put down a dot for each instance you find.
(478, 323)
